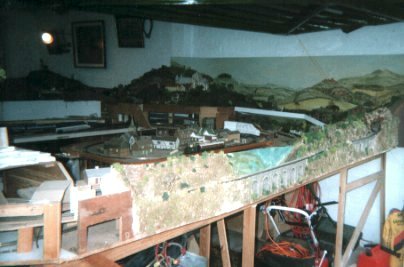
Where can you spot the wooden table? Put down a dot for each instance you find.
(132, 246)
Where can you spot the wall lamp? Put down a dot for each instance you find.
(55, 42)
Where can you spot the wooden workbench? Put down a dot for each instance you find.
(123, 249)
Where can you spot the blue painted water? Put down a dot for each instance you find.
(255, 160)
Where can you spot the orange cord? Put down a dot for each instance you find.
(287, 249)
(302, 198)
(284, 248)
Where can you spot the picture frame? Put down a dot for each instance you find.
(129, 31)
(89, 44)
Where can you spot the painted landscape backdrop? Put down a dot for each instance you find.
(327, 88)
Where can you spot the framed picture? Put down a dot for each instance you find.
(130, 31)
(88, 44)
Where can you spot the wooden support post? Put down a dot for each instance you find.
(52, 230)
(341, 259)
(382, 194)
(101, 209)
(361, 223)
(224, 246)
(204, 241)
(341, 215)
(25, 238)
(363, 181)
(249, 223)
(3, 137)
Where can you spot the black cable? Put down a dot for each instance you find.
(37, 236)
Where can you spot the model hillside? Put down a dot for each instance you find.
(185, 189)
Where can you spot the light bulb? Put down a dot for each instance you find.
(47, 38)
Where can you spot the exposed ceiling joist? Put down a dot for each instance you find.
(271, 16)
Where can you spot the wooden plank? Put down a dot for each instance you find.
(52, 231)
(125, 249)
(341, 216)
(65, 172)
(30, 221)
(42, 172)
(224, 247)
(363, 181)
(92, 261)
(30, 262)
(361, 223)
(382, 195)
(101, 209)
(101, 261)
(14, 182)
(10, 210)
(25, 238)
(30, 176)
(12, 157)
(52, 191)
(3, 137)
(249, 224)
(204, 241)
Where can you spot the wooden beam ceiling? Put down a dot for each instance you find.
(272, 16)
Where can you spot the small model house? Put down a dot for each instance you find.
(242, 127)
(203, 135)
(144, 144)
(118, 146)
(93, 177)
(170, 143)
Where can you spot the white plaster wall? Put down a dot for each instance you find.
(21, 52)
(208, 42)
(197, 41)
(25, 50)
(40, 109)
(356, 199)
